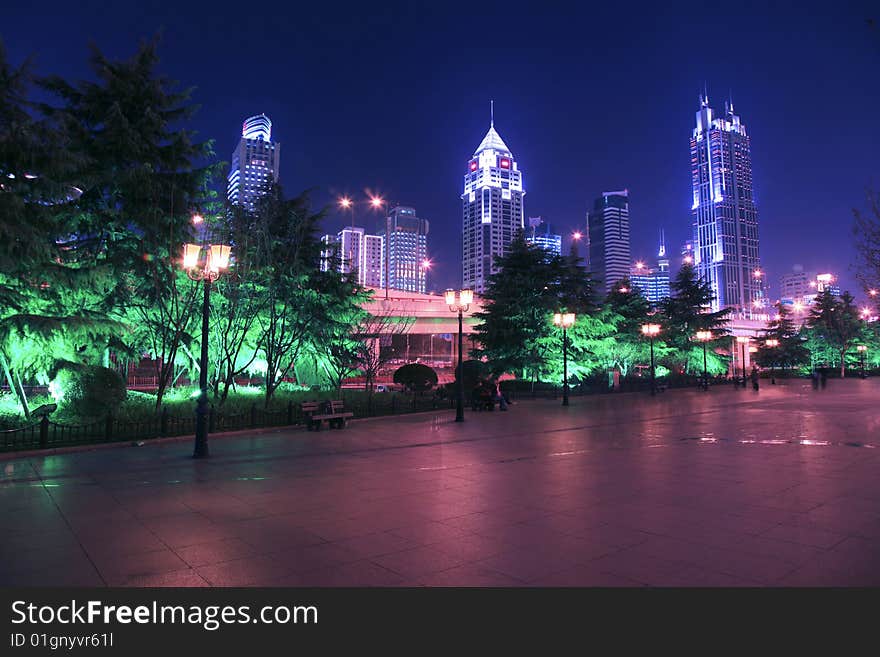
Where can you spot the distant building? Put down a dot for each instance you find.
(255, 162)
(608, 234)
(548, 241)
(725, 218)
(800, 287)
(356, 252)
(492, 209)
(653, 282)
(406, 249)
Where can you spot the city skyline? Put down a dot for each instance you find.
(348, 143)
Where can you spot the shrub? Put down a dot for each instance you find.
(90, 390)
(474, 370)
(416, 376)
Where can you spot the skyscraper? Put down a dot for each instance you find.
(725, 219)
(545, 239)
(357, 252)
(406, 249)
(492, 209)
(653, 282)
(254, 162)
(608, 234)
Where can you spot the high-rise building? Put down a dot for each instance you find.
(406, 249)
(801, 287)
(254, 162)
(546, 240)
(725, 219)
(492, 209)
(653, 282)
(608, 237)
(358, 252)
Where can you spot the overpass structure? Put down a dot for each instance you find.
(431, 336)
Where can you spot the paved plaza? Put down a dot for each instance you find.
(725, 488)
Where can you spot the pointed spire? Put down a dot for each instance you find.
(662, 252)
(491, 113)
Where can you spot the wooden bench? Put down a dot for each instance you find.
(314, 414)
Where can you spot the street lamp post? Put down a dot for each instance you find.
(772, 343)
(216, 260)
(862, 349)
(743, 341)
(704, 337)
(651, 330)
(459, 302)
(566, 321)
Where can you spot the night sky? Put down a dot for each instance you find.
(394, 98)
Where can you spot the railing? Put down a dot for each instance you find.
(46, 434)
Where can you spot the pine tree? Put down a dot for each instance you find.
(685, 312)
(789, 350)
(835, 324)
(518, 305)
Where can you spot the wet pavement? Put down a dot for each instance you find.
(725, 488)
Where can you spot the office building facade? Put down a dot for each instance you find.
(406, 249)
(255, 163)
(492, 209)
(725, 218)
(609, 250)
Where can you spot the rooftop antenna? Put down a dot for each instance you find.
(662, 252)
(491, 113)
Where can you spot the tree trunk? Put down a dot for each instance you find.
(19, 391)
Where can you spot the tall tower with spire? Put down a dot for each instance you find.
(492, 208)
(725, 218)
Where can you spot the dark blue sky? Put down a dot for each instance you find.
(394, 98)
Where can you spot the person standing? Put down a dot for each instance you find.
(754, 377)
(823, 375)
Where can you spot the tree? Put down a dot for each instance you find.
(379, 324)
(687, 311)
(866, 230)
(834, 325)
(142, 180)
(55, 294)
(789, 350)
(517, 309)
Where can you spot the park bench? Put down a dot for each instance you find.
(316, 412)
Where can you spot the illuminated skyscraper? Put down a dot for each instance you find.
(492, 209)
(254, 162)
(548, 241)
(653, 282)
(608, 234)
(725, 219)
(357, 252)
(406, 249)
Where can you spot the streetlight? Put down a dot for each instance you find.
(862, 349)
(566, 321)
(458, 302)
(651, 330)
(704, 337)
(772, 343)
(743, 340)
(216, 260)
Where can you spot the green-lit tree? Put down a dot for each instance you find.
(518, 305)
(55, 289)
(833, 326)
(687, 311)
(789, 350)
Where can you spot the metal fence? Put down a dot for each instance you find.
(46, 434)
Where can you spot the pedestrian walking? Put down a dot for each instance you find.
(814, 375)
(754, 377)
(823, 376)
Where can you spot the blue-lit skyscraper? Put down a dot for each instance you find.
(725, 219)
(492, 209)
(653, 282)
(608, 234)
(254, 162)
(548, 241)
